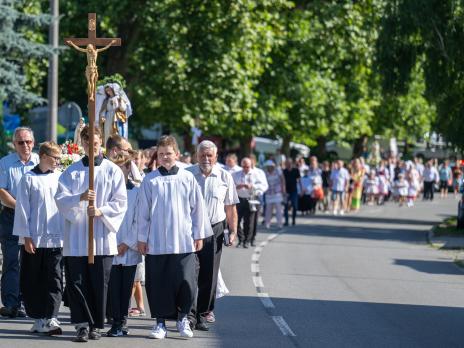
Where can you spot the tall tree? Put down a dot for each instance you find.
(321, 84)
(428, 34)
(22, 54)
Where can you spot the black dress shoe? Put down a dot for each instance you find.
(21, 313)
(201, 326)
(8, 312)
(94, 334)
(239, 244)
(82, 335)
(245, 245)
(253, 244)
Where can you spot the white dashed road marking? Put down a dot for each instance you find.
(259, 285)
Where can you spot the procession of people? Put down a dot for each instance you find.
(166, 216)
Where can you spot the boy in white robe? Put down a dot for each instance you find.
(39, 227)
(125, 263)
(170, 228)
(86, 285)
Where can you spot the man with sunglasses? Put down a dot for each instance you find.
(12, 169)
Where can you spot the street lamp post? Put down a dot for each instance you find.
(53, 73)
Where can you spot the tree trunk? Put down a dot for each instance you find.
(360, 146)
(246, 146)
(320, 150)
(285, 149)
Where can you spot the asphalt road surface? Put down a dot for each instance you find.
(361, 280)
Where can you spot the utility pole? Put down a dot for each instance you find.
(52, 89)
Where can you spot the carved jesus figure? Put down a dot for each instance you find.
(91, 71)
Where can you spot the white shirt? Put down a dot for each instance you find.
(264, 186)
(218, 189)
(233, 169)
(253, 178)
(127, 233)
(111, 200)
(171, 213)
(339, 178)
(12, 169)
(36, 213)
(430, 174)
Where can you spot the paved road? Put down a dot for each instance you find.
(362, 280)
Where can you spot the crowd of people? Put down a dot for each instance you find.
(161, 220)
(340, 188)
(155, 218)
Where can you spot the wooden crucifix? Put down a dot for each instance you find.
(91, 74)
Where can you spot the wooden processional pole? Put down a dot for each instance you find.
(91, 74)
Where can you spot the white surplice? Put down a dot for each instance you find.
(127, 233)
(171, 213)
(36, 213)
(111, 200)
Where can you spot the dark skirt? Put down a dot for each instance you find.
(170, 282)
(41, 281)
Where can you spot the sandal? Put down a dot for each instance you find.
(134, 312)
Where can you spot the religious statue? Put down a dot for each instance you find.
(374, 157)
(113, 110)
(91, 71)
(77, 132)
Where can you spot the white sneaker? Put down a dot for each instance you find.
(342, 212)
(159, 331)
(184, 328)
(39, 326)
(53, 327)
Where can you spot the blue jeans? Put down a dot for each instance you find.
(10, 268)
(292, 198)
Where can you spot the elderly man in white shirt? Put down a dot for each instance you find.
(220, 195)
(263, 189)
(12, 169)
(431, 177)
(249, 186)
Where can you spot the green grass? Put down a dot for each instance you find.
(448, 228)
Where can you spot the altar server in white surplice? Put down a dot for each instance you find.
(170, 230)
(39, 227)
(86, 285)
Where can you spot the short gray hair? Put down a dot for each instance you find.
(207, 144)
(23, 129)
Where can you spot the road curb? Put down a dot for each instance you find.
(436, 243)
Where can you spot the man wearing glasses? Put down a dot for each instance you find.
(12, 168)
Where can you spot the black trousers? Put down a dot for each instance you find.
(207, 268)
(120, 291)
(10, 267)
(245, 233)
(255, 223)
(171, 284)
(87, 288)
(428, 190)
(41, 282)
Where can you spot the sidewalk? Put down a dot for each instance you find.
(450, 244)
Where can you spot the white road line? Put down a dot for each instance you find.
(283, 326)
(266, 300)
(259, 285)
(255, 268)
(272, 236)
(258, 281)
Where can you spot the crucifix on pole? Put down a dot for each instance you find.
(91, 74)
